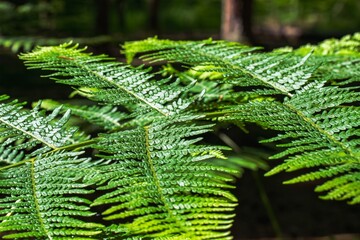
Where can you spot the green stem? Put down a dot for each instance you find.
(263, 196)
(267, 205)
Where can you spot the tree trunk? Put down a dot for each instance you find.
(236, 20)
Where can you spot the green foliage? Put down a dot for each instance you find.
(348, 45)
(158, 178)
(146, 170)
(27, 43)
(320, 122)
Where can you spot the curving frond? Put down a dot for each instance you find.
(238, 64)
(292, 94)
(320, 131)
(107, 81)
(160, 187)
(42, 199)
(24, 130)
(108, 117)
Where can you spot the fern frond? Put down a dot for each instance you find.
(107, 117)
(320, 121)
(158, 184)
(22, 130)
(42, 199)
(339, 57)
(108, 81)
(239, 65)
(320, 128)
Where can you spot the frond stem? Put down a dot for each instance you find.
(77, 145)
(218, 113)
(157, 181)
(35, 196)
(84, 66)
(329, 136)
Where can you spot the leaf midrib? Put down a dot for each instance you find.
(36, 202)
(157, 182)
(319, 129)
(108, 80)
(42, 140)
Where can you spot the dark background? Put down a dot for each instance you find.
(269, 23)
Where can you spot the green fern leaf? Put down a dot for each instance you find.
(22, 130)
(107, 117)
(320, 130)
(42, 199)
(239, 65)
(108, 81)
(320, 126)
(158, 184)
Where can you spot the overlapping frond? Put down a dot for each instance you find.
(158, 184)
(319, 120)
(108, 81)
(41, 186)
(339, 57)
(319, 129)
(42, 199)
(154, 183)
(24, 130)
(108, 117)
(240, 65)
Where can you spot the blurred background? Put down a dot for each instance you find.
(259, 22)
(104, 24)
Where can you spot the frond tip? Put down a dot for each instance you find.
(24, 130)
(106, 80)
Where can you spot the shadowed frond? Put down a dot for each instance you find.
(107, 117)
(27, 43)
(108, 81)
(320, 131)
(159, 185)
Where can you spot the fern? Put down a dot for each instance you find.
(42, 199)
(149, 171)
(22, 131)
(107, 117)
(146, 172)
(320, 123)
(32, 182)
(107, 81)
(158, 180)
